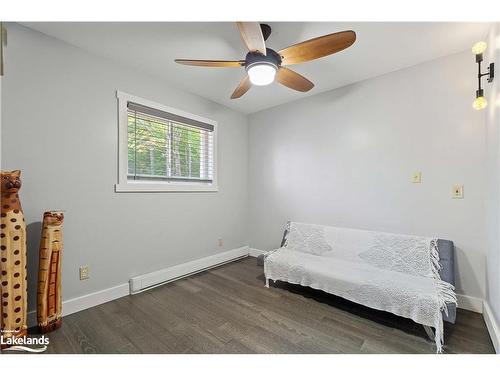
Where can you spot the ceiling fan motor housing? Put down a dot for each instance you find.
(255, 58)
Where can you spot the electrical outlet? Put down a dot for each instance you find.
(416, 177)
(84, 272)
(457, 192)
(220, 242)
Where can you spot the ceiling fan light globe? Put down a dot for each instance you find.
(262, 74)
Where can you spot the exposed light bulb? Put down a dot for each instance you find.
(262, 74)
(479, 48)
(479, 103)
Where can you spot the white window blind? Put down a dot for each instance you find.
(163, 146)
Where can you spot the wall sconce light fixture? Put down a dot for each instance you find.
(477, 49)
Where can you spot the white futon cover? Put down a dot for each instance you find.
(385, 271)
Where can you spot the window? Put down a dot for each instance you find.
(164, 149)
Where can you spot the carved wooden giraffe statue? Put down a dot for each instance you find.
(49, 311)
(13, 278)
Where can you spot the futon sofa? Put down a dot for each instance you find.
(409, 276)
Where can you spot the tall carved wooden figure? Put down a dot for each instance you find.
(13, 278)
(49, 306)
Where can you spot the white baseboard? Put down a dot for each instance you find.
(74, 305)
(255, 252)
(470, 303)
(87, 301)
(492, 325)
(144, 282)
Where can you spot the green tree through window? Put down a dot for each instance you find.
(162, 149)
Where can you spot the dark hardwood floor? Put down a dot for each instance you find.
(228, 310)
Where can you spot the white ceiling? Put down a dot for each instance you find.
(380, 48)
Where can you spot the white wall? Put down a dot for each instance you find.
(345, 158)
(60, 128)
(492, 112)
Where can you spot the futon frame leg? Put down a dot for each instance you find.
(429, 332)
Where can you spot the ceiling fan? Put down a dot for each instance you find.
(264, 65)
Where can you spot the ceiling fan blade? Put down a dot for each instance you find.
(318, 47)
(293, 80)
(212, 63)
(251, 33)
(242, 88)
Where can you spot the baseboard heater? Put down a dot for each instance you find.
(141, 283)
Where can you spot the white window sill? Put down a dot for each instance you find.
(164, 188)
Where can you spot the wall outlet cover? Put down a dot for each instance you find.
(458, 191)
(84, 273)
(416, 177)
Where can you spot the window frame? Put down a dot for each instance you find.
(124, 185)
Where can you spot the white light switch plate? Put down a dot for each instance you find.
(416, 177)
(457, 192)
